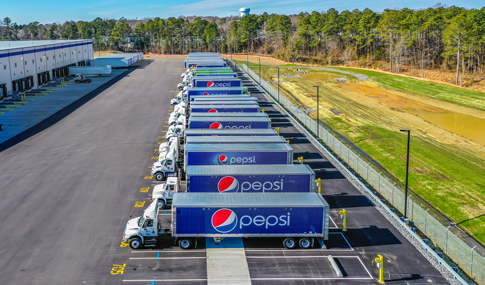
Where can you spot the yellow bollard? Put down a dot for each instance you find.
(300, 159)
(379, 260)
(319, 184)
(278, 129)
(262, 110)
(288, 141)
(343, 215)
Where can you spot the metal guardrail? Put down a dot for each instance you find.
(466, 257)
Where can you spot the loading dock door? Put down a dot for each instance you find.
(3, 91)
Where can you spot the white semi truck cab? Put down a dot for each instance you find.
(143, 230)
(168, 164)
(164, 192)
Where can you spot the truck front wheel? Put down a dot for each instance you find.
(305, 243)
(185, 243)
(162, 204)
(135, 243)
(159, 176)
(289, 243)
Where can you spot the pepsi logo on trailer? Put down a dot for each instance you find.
(216, 126)
(223, 159)
(224, 220)
(210, 84)
(212, 111)
(228, 184)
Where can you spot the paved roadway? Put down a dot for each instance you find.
(68, 190)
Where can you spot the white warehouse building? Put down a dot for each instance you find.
(26, 65)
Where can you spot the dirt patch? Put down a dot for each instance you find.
(390, 99)
(321, 75)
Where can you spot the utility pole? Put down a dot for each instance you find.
(407, 175)
(318, 111)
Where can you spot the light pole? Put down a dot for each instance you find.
(318, 111)
(407, 175)
(278, 83)
(259, 70)
(247, 58)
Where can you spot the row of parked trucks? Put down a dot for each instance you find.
(239, 173)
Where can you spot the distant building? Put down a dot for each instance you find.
(244, 11)
(26, 65)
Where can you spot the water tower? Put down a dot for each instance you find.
(244, 11)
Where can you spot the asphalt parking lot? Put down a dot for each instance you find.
(69, 189)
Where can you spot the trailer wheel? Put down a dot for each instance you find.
(305, 243)
(185, 243)
(159, 176)
(135, 243)
(289, 243)
(162, 204)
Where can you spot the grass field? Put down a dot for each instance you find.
(446, 169)
(461, 96)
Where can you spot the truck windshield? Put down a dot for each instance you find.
(141, 221)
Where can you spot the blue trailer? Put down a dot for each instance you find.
(215, 81)
(275, 178)
(297, 218)
(235, 139)
(226, 132)
(237, 154)
(229, 123)
(198, 91)
(192, 63)
(221, 74)
(224, 102)
(229, 114)
(242, 97)
(238, 97)
(252, 108)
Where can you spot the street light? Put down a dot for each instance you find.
(259, 70)
(318, 111)
(247, 56)
(278, 83)
(407, 175)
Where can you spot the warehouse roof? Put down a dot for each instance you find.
(6, 45)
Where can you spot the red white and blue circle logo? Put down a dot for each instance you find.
(206, 93)
(216, 126)
(223, 159)
(224, 220)
(228, 184)
(212, 111)
(210, 83)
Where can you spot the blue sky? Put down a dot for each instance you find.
(49, 11)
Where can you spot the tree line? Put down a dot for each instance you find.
(437, 37)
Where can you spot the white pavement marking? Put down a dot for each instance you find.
(166, 280)
(188, 257)
(364, 266)
(310, 278)
(227, 266)
(168, 251)
(336, 227)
